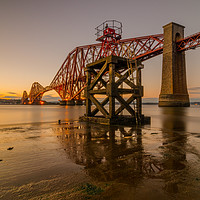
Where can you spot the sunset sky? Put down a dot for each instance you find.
(37, 35)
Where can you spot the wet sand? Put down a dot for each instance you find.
(89, 161)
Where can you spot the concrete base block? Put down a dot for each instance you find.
(62, 103)
(79, 102)
(174, 100)
(68, 103)
(119, 120)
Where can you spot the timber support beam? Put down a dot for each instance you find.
(110, 81)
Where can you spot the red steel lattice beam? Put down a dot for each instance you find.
(70, 79)
(190, 42)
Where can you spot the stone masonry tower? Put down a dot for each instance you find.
(174, 86)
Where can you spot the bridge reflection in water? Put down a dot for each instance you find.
(174, 151)
(134, 156)
(109, 152)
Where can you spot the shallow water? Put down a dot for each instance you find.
(80, 161)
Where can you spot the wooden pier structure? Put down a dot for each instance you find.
(117, 81)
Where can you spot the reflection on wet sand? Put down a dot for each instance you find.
(124, 155)
(174, 138)
(160, 161)
(174, 143)
(110, 153)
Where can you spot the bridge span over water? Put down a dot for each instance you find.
(70, 80)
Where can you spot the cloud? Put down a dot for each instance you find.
(50, 98)
(194, 88)
(11, 97)
(194, 92)
(150, 100)
(12, 93)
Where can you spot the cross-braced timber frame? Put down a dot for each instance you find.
(120, 72)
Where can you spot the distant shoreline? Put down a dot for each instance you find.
(18, 102)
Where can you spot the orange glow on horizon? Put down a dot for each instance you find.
(41, 102)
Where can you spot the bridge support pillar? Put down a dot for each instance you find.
(70, 103)
(24, 99)
(174, 86)
(79, 102)
(67, 102)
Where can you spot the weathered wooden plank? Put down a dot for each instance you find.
(131, 84)
(103, 103)
(123, 102)
(98, 76)
(102, 91)
(122, 78)
(99, 106)
(101, 80)
(88, 101)
(112, 90)
(135, 91)
(122, 107)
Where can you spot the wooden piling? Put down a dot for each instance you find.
(117, 70)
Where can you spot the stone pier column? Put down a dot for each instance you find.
(174, 85)
(70, 102)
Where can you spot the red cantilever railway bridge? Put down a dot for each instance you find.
(70, 80)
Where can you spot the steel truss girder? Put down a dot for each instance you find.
(70, 79)
(36, 92)
(190, 42)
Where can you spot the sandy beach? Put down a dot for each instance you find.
(76, 160)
